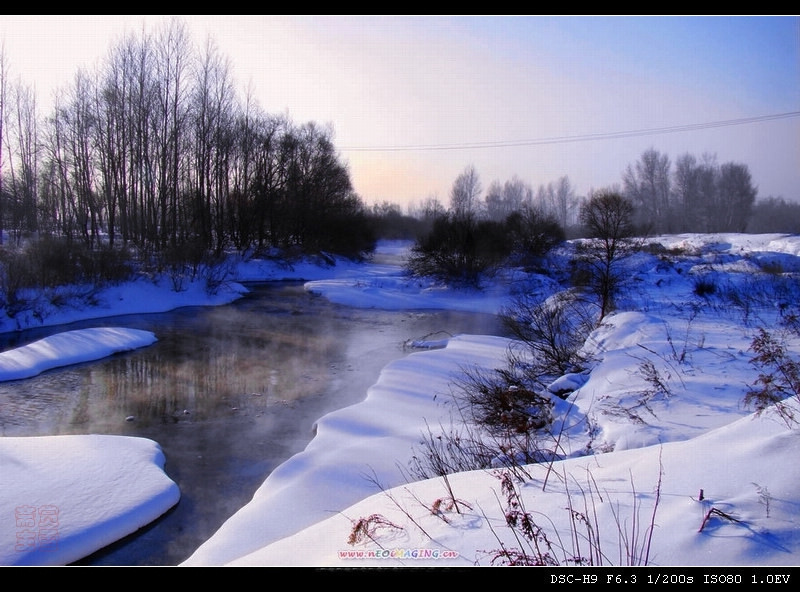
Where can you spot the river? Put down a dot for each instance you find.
(229, 392)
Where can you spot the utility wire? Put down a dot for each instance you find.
(580, 138)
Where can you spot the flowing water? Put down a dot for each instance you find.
(229, 393)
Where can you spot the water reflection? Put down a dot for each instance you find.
(207, 362)
(233, 364)
(229, 392)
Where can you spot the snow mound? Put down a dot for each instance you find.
(70, 347)
(66, 497)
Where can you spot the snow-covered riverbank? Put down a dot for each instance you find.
(654, 456)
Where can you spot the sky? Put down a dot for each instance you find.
(414, 100)
(686, 476)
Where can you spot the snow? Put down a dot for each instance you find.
(65, 497)
(70, 347)
(682, 476)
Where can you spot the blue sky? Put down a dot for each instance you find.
(414, 100)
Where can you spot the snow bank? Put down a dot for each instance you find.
(354, 449)
(751, 508)
(70, 347)
(65, 497)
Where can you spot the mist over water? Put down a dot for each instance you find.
(228, 392)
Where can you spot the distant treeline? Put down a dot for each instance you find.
(690, 195)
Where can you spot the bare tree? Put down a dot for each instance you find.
(503, 199)
(553, 329)
(545, 198)
(564, 201)
(242, 211)
(685, 192)
(647, 186)
(79, 123)
(24, 137)
(707, 200)
(173, 50)
(3, 87)
(737, 195)
(494, 206)
(465, 194)
(212, 104)
(608, 219)
(140, 70)
(269, 178)
(116, 125)
(431, 208)
(707, 197)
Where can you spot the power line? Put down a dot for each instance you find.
(580, 138)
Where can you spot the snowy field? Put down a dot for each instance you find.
(685, 475)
